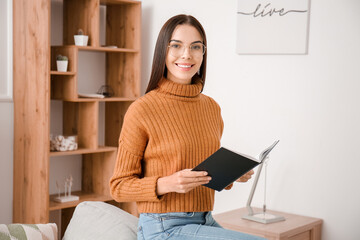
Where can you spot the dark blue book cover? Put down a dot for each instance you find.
(225, 166)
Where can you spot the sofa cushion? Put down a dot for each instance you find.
(98, 220)
(28, 231)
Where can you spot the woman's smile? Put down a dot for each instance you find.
(184, 66)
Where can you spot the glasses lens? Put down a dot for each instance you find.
(177, 49)
(197, 49)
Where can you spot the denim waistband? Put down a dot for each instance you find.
(172, 215)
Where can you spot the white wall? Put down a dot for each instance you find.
(6, 111)
(6, 163)
(309, 102)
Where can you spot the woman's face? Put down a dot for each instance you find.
(184, 55)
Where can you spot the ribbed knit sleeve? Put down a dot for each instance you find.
(127, 182)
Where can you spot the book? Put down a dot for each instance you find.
(91, 95)
(225, 166)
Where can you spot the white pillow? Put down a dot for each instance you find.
(99, 220)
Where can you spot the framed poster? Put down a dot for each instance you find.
(272, 26)
(6, 50)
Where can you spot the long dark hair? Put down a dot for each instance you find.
(159, 70)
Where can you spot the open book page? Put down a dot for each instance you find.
(262, 155)
(266, 152)
(247, 156)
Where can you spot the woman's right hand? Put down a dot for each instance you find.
(182, 181)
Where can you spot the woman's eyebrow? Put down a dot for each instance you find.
(174, 40)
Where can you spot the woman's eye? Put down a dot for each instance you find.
(196, 47)
(175, 46)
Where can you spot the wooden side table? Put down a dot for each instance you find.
(294, 227)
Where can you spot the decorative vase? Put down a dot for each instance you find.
(62, 65)
(81, 40)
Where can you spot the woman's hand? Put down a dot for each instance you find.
(246, 176)
(182, 181)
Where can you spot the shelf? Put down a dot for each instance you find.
(83, 197)
(111, 99)
(113, 2)
(107, 49)
(79, 151)
(100, 49)
(61, 73)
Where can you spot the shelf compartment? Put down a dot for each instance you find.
(61, 73)
(82, 119)
(84, 151)
(114, 117)
(124, 74)
(81, 14)
(83, 197)
(63, 86)
(123, 22)
(68, 51)
(97, 169)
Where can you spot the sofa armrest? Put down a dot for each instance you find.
(94, 220)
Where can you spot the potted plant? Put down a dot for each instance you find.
(62, 63)
(81, 39)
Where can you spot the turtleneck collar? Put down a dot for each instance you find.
(180, 90)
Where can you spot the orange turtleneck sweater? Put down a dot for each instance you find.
(171, 128)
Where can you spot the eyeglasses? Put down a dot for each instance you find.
(177, 49)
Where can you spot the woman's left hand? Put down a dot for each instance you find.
(246, 176)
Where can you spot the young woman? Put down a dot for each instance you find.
(166, 133)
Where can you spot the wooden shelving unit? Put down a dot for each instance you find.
(80, 115)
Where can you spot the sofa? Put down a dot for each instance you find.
(91, 221)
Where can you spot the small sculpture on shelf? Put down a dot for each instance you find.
(67, 194)
(80, 38)
(62, 63)
(63, 143)
(106, 91)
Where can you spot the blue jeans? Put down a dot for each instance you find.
(185, 225)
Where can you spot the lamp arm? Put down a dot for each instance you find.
(248, 204)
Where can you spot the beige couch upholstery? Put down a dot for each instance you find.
(99, 220)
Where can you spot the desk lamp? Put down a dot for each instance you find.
(262, 217)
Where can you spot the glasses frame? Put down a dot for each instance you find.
(204, 47)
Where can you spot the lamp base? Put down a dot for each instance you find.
(264, 218)
(66, 198)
